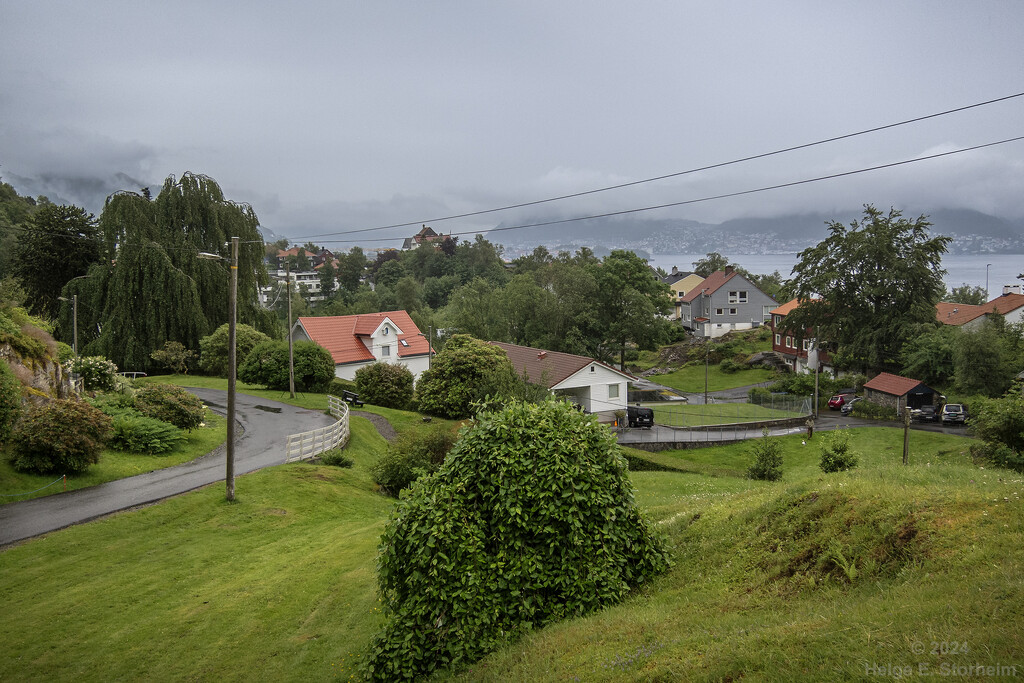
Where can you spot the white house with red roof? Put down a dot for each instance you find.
(355, 341)
(970, 316)
(723, 302)
(596, 387)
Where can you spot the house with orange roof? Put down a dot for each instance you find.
(723, 302)
(899, 393)
(355, 341)
(798, 350)
(596, 387)
(1010, 305)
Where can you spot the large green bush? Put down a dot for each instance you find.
(530, 519)
(171, 404)
(267, 365)
(60, 436)
(139, 434)
(465, 371)
(96, 372)
(413, 454)
(213, 349)
(10, 400)
(385, 384)
(999, 424)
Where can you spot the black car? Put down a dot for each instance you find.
(926, 414)
(640, 417)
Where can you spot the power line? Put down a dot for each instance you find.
(714, 197)
(672, 175)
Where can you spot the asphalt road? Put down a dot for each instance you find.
(265, 429)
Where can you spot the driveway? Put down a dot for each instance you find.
(265, 429)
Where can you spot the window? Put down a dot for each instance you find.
(807, 344)
(732, 311)
(613, 391)
(405, 343)
(778, 340)
(789, 342)
(385, 351)
(387, 330)
(719, 311)
(738, 297)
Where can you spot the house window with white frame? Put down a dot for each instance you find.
(807, 344)
(789, 342)
(738, 297)
(778, 340)
(719, 311)
(613, 391)
(385, 351)
(733, 311)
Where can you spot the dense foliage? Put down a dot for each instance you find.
(150, 284)
(836, 453)
(530, 519)
(267, 365)
(97, 372)
(10, 400)
(174, 356)
(869, 287)
(59, 436)
(999, 424)
(767, 454)
(462, 373)
(385, 384)
(171, 404)
(411, 455)
(213, 349)
(139, 434)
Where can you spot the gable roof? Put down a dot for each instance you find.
(342, 335)
(950, 313)
(712, 283)
(787, 308)
(549, 368)
(1006, 303)
(673, 278)
(892, 384)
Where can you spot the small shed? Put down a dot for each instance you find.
(898, 392)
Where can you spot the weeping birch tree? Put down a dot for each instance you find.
(152, 287)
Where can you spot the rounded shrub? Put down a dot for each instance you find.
(530, 519)
(836, 453)
(385, 384)
(171, 404)
(10, 400)
(267, 365)
(61, 436)
(97, 372)
(213, 349)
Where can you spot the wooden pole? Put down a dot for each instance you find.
(291, 351)
(232, 366)
(74, 323)
(906, 434)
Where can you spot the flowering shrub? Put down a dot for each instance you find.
(97, 372)
(59, 436)
(172, 404)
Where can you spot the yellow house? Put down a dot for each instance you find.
(681, 284)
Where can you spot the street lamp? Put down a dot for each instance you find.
(987, 296)
(74, 321)
(229, 476)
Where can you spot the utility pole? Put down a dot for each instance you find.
(291, 354)
(906, 434)
(430, 344)
(74, 323)
(232, 364)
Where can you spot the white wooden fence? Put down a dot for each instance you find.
(307, 444)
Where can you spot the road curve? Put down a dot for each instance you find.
(265, 429)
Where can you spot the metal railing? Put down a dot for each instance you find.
(308, 444)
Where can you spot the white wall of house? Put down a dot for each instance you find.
(597, 388)
(417, 366)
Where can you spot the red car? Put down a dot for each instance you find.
(837, 401)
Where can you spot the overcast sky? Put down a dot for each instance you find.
(330, 116)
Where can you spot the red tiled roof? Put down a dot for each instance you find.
(547, 367)
(1006, 303)
(340, 335)
(892, 384)
(958, 314)
(787, 308)
(711, 284)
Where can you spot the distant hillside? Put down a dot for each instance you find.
(973, 232)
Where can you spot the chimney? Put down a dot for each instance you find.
(1011, 289)
(675, 270)
(729, 269)
(542, 355)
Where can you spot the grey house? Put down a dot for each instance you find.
(724, 302)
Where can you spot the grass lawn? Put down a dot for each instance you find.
(113, 464)
(690, 379)
(811, 578)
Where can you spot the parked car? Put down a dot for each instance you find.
(848, 405)
(954, 413)
(640, 417)
(837, 401)
(925, 414)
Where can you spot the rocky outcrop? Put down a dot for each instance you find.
(41, 379)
